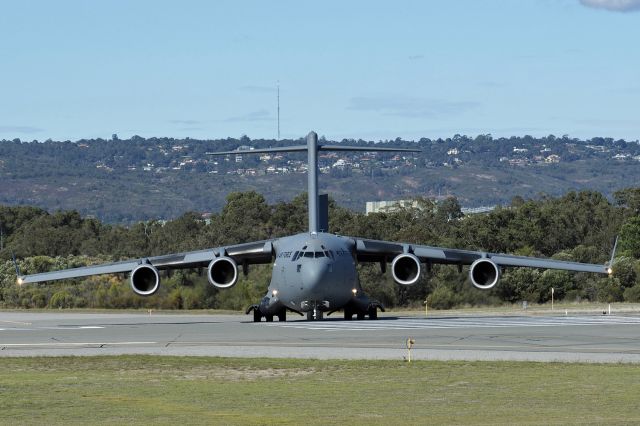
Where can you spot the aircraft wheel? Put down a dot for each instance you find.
(373, 313)
(310, 316)
(360, 316)
(269, 318)
(348, 315)
(257, 316)
(282, 316)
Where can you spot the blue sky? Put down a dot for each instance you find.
(358, 69)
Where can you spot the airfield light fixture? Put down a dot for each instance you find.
(20, 281)
(354, 291)
(274, 293)
(609, 271)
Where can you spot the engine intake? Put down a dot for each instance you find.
(484, 274)
(145, 280)
(222, 272)
(405, 269)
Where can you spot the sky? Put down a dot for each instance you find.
(374, 70)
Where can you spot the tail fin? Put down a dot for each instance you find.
(312, 147)
(323, 212)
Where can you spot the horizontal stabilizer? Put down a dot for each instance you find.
(300, 148)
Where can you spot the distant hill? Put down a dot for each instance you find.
(123, 181)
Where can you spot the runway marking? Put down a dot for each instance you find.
(76, 344)
(16, 322)
(71, 327)
(443, 323)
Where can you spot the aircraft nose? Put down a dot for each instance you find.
(314, 275)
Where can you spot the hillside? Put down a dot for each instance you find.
(122, 181)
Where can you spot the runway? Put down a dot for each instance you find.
(577, 338)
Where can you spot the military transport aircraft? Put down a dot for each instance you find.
(315, 272)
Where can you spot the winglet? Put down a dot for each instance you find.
(609, 264)
(18, 274)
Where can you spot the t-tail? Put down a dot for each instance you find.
(313, 147)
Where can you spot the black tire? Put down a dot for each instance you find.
(310, 316)
(348, 315)
(373, 313)
(257, 316)
(360, 316)
(282, 316)
(269, 318)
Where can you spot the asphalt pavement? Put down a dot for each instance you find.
(567, 338)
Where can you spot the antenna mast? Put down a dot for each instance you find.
(278, 90)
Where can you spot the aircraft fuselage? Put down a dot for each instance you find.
(313, 271)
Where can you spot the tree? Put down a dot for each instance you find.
(629, 242)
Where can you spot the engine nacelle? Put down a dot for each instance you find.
(484, 274)
(222, 272)
(145, 279)
(405, 269)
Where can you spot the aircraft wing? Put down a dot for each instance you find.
(385, 251)
(247, 253)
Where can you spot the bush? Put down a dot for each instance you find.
(61, 299)
(443, 298)
(611, 291)
(632, 294)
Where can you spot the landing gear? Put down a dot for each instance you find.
(282, 315)
(257, 314)
(373, 312)
(315, 315)
(348, 314)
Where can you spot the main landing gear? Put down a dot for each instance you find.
(371, 312)
(258, 315)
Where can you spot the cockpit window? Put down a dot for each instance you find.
(319, 254)
(308, 254)
(295, 256)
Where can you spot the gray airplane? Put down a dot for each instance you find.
(315, 272)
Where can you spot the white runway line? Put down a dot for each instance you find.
(442, 323)
(13, 345)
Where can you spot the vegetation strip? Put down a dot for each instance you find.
(171, 390)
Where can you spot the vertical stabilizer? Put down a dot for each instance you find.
(323, 212)
(312, 184)
(317, 222)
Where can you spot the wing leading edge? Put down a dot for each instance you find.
(379, 251)
(258, 252)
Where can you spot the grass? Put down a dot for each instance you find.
(191, 390)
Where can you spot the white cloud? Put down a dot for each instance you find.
(613, 5)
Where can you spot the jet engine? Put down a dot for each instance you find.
(222, 272)
(145, 279)
(484, 274)
(405, 269)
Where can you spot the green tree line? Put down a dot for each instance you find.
(578, 226)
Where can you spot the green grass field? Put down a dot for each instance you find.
(189, 390)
